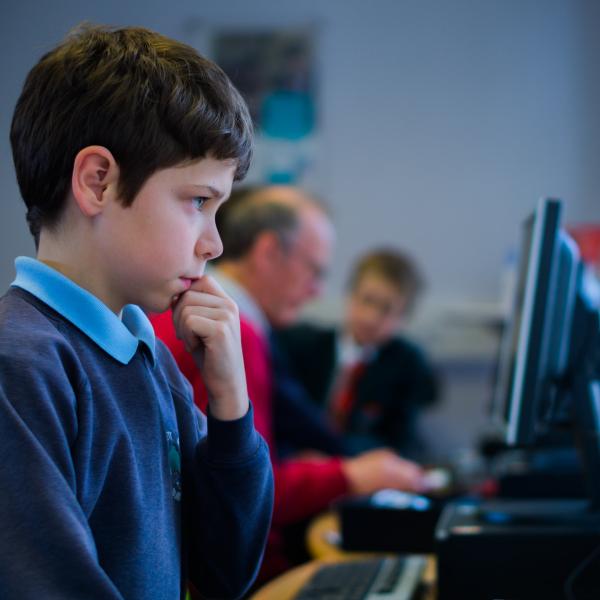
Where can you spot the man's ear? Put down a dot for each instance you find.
(94, 180)
(267, 249)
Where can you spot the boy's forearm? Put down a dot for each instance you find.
(233, 507)
(207, 321)
(232, 405)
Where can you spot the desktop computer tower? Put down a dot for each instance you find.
(518, 550)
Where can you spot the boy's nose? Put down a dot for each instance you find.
(209, 245)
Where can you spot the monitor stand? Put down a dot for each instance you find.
(545, 472)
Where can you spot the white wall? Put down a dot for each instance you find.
(442, 121)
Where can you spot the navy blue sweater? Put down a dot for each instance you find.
(112, 483)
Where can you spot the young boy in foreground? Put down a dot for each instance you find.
(125, 144)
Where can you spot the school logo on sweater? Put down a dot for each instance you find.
(174, 455)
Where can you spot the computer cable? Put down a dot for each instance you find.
(577, 572)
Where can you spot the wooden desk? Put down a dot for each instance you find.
(323, 537)
(321, 543)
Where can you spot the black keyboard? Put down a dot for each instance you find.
(393, 578)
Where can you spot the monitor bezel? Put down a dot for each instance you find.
(530, 355)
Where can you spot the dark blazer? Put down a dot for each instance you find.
(394, 387)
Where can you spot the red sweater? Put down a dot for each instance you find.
(303, 488)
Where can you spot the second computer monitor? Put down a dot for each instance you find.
(535, 348)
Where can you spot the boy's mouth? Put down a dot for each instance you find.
(187, 284)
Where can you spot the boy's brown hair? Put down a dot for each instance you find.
(395, 267)
(152, 101)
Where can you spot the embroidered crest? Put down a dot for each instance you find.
(174, 456)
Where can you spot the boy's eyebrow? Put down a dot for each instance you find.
(213, 190)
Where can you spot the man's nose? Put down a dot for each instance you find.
(315, 288)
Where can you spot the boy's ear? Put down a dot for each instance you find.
(95, 178)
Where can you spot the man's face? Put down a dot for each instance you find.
(374, 310)
(154, 249)
(296, 273)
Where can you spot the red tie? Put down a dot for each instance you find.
(345, 394)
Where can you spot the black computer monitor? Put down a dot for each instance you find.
(548, 366)
(536, 342)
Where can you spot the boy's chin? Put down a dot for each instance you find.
(160, 306)
(160, 302)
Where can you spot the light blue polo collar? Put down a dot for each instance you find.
(119, 337)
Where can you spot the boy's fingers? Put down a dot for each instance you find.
(196, 324)
(205, 292)
(192, 298)
(208, 284)
(196, 328)
(189, 318)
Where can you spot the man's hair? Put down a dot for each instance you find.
(151, 101)
(395, 267)
(246, 215)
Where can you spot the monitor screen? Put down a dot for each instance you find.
(549, 366)
(535, 347)
(505, 369)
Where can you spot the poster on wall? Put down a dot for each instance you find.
(275, 73)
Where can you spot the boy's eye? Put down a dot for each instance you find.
(199, 202)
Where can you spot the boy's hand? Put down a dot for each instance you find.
(206, 319)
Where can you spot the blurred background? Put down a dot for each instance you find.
(430, 125)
